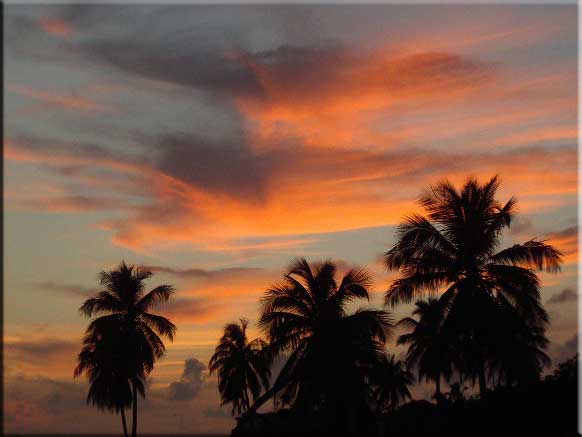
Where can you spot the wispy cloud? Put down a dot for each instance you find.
(52, 99)
(566, 295)
(70, 289)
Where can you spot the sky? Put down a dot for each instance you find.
(217, 143)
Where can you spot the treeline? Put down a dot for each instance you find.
(478, 315)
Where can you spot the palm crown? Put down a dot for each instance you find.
(392, 379)
(243, 366)
(123, 298)
(429, 348)
(454, 250)
(305, 317)
(123, 342)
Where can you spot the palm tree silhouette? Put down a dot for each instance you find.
(242, 366)
(453, 249)
(102, 360)
(519, 355)
(392, 379)
(330, 353)
(122, 306)
(429, 348)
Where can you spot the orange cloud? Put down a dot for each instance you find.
(56, 27)
(315, 191)
(566, 241)
(340, 90)
(42, 356)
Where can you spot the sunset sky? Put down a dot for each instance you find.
(215, 144)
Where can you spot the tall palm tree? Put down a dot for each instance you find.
(102, 360)
(243, 366)
(392, 379)
(454, 250)
(331, 353)
(123, 305)
(429, 348)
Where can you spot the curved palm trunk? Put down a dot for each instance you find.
(134, 411)
(261, 400)
(123, 422)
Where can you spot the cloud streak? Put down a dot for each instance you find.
(566, 295)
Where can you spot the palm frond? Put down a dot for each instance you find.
(534, 254)
(160, 324)
(159, 294)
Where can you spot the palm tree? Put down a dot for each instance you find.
(429, 348)
(242, 366)
(102, 360)
(123, 306)
(392, 380)
(331, 354)
(519, 355)
(454, 250)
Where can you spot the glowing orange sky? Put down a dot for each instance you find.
(218, 153)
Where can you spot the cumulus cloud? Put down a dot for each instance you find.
(191, 382)
(566, 295)
(35, 404)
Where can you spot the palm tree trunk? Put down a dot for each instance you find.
(438, 396)
(124, 423)
(260, 401)
(134, 411)
(482, 380)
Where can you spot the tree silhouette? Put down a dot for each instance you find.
(453, 249)
(102, 360)
(429, 348)
(242, 366)
(122, 307)
(331, 354)
(392, 379)
(518, 356)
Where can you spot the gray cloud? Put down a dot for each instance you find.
(74, 203)
(228, 167)
(37, 404)
(566, 295)
(190, 309)
(71, 289)
(182, 65)
(190, 383)
(196, 273)
(570, 232)
(41, 350)
(520, 225)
